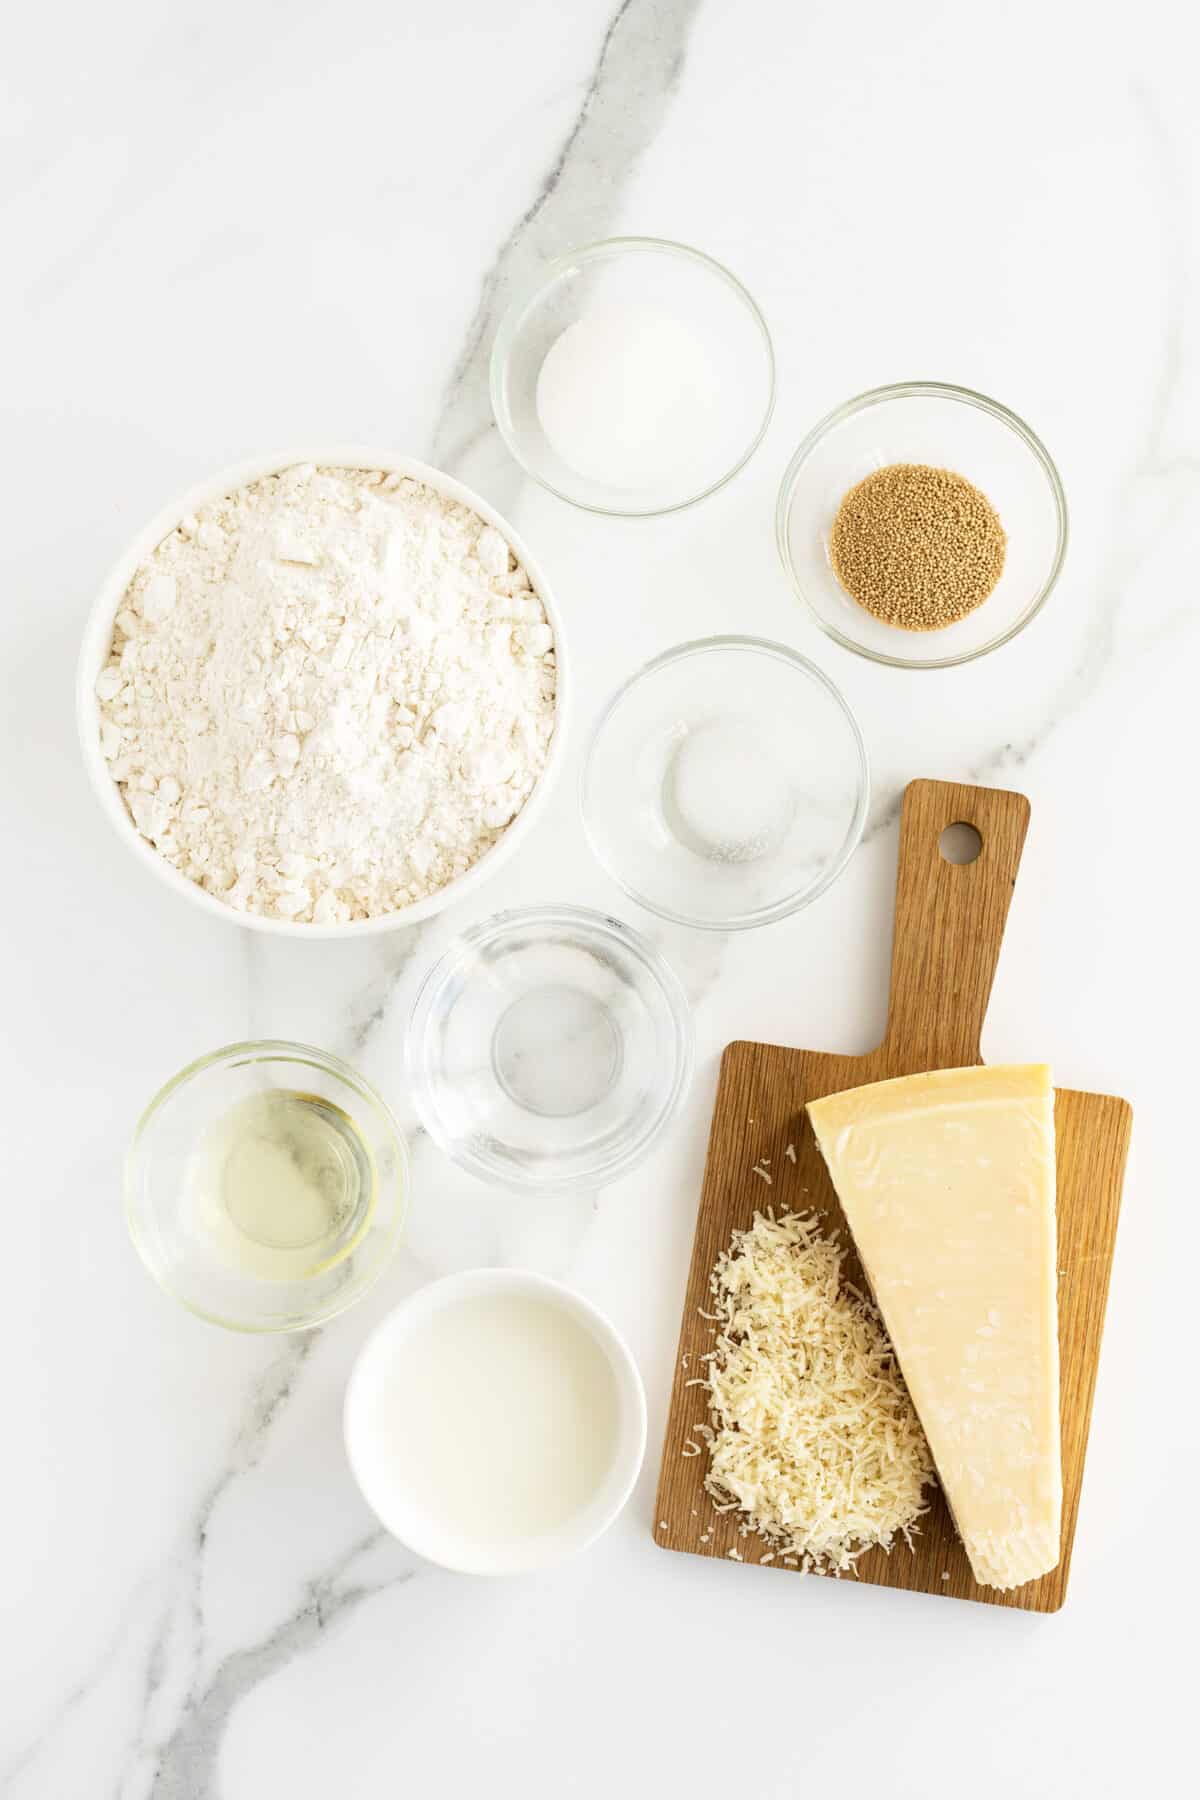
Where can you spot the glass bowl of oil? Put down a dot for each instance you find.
(266, 1186)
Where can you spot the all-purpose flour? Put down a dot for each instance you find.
(329, 693)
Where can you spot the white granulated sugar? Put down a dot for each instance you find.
(328, 694)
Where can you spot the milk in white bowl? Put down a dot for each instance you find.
(495, 1422)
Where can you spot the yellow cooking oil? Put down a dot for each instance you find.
(284, 1185)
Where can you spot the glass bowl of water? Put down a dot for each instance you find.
(549, 1048)
(726, 784)
(266, 1186)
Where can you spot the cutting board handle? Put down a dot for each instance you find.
(950, 920)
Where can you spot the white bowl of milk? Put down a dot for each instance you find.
(495, 1422)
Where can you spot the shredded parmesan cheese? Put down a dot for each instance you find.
(814, 1437)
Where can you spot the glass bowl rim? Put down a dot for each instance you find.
(417, 1066)
(738, 642)
(268, 1050)
(908, 390)
(523, 304)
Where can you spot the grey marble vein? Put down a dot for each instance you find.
(373, 1001)
(637, 72)
(269, 1396)
(360, 977)
(1149, 467)
(697, 957)
(253, 973)
(185, 1766)
(77, 1695)
(180, 1628)
(635, 75)
(885, 811)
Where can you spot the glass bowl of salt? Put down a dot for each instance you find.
(635, 378)
(726, 784)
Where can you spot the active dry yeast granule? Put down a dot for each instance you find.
(918, 547)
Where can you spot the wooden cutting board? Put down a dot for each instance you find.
(950, 920)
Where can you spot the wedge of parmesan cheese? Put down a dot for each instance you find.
(947, 1182)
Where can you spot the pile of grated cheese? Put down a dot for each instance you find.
(814, 1439)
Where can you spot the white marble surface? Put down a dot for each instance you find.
(229, 227)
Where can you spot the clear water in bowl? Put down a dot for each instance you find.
(557, 1052)
(549, 1048)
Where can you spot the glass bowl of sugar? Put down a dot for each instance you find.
(726, 784)
(635, 378)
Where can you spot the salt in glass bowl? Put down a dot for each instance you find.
(723, 325)
(726, 784)
(549, 1048)
(945, 427)
(175, 1225)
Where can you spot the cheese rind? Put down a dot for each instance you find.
(947, 1182)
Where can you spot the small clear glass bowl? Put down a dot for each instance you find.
(725, 332)
(549, 1048)
(948, 428)
(185, 1232)
(726, 784)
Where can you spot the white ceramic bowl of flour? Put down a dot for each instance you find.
(495, 1422)
(97, 640)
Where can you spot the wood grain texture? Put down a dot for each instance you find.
(950, 921)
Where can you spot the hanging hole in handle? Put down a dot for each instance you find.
(960, 843)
